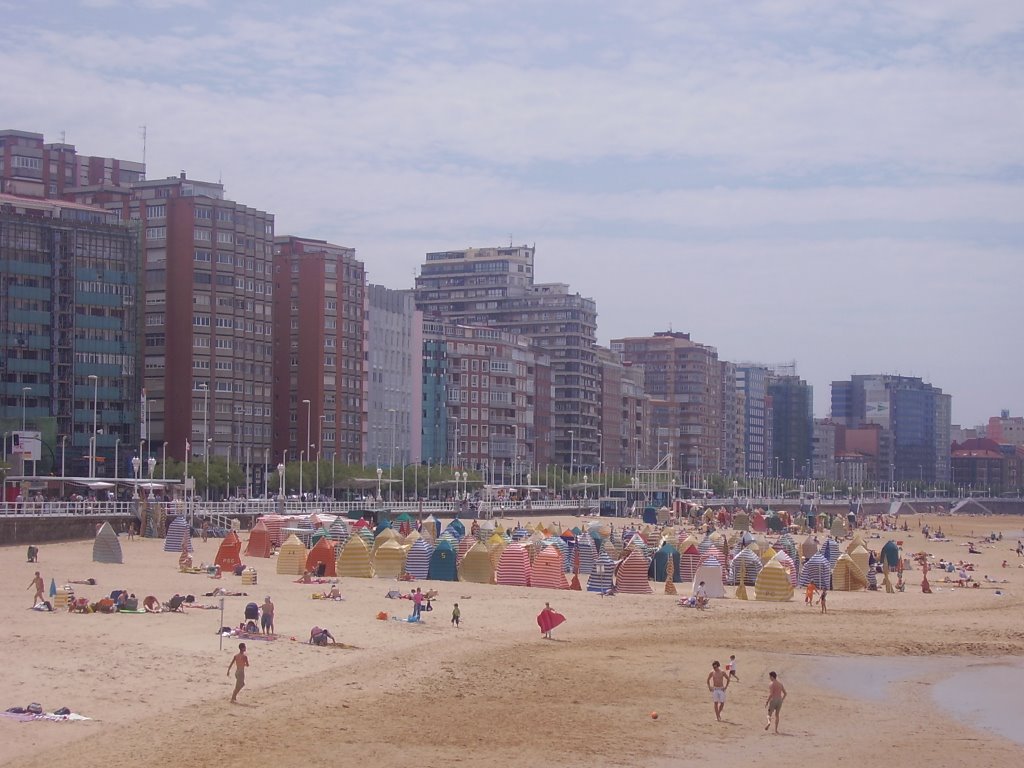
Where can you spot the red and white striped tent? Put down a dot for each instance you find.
(464, 545)
(710, 572)
(631, 573)
(548, 571)
(715, 554)
(274, 525)
(514, 568)
(689, 559)
(783, 559)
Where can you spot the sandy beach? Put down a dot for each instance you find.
(868, 681)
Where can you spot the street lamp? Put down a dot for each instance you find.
(117, 446)
(311, 449)
(323, 418)
(163, 463)
(379, 473)
(92, 452)
(206, 435)
(136, 467)
(585, 495)
(572, 454)
(302, 457)
(151, 462)
(280, 477)
(63, 452)
(394, 424)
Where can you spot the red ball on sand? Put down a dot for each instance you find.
(654, 715)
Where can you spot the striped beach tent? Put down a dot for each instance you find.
(773, 583)
(847, 576)
(601, 579)
(456, 528)
(787, 544)
(838, 529)
(741, 521)
(354, 559)
(178, 535)
(831, 551)
(443, 562)
(631, 573)
(786, 562)
(274, 525)
(319, 533)
(338, 531)
(861, 557)
(417, 562)
(689, 559)
(259, 541)
(322, 552)
(548, 571)
(476, 565)
(433, 525)
(719, 557)
(749, 563)
(291, 558)
(229, 554)
(758, 522)
(710, 572)
(494, 550)
(587, 553)
(809, 548)
(106, 547)
(817, 571)
(386, 534)
(514, 567)
(389, 559)
(767, 553)
(520, 533)
(464, 545)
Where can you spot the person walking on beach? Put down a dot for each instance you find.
(717, 682)
(456, 615)
(239, 661)
(776, 695)
(809, 593)
(821, 601)
(267, 616)
(731, 668)
(547, 620)
(37, 582)
(417, 603)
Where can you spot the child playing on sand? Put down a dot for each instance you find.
(239, 661)
(821, 600)
(456, 615)
(809, 594)
(730, 667)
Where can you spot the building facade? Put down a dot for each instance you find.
(69, 324)
(1006, 429)
(625, 408)
(29, 167)
(495, 287)
(319, 361)
(209, 287)
(823, 450)
(752, 382)
(394, 377)
(733, 429)
(792, 425)
(683, 380)
(985, 465)
(914, 417)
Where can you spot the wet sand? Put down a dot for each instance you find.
(493, 690)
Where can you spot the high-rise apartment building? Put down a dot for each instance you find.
(752, 382)
(733, 428)
(69, 322)
(823, 450)
(319, 362)
(495, 287)
(683, 380)
(625, 408)
(914, 418)
(792, 424)
(30, 167)
(395, 379)
(480, 400)
(209, 286)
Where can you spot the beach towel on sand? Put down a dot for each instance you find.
(547, 620)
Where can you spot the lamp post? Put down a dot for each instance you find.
(280, 478)
(379, 473)
(320, 450)
(163, 463)
(394, 425)
(63, 452)
(206, 436)
(117, 446)
(24, 393)
(311, 449)
(136, 468)
(92, 452)
(151, 463)
(572, 454)
(266, 462)
(585, 494)
(302, 457)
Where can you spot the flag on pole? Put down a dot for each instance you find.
(143, 425)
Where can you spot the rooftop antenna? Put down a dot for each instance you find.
(143, 129)
(63, 136)
(510, 240)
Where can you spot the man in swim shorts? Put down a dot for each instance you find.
(776, 695)
(239, 661)
(267, 616)
(717, 681)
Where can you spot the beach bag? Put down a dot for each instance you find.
(34, 709)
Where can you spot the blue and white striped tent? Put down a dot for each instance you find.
(746, 562)
(604, 571)
(816, 570)
(831, 551)
(587, 555)
(520, 533)
(417, 562)
(177, 533)
(339, 530)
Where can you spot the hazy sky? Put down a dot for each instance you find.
(837, 183)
